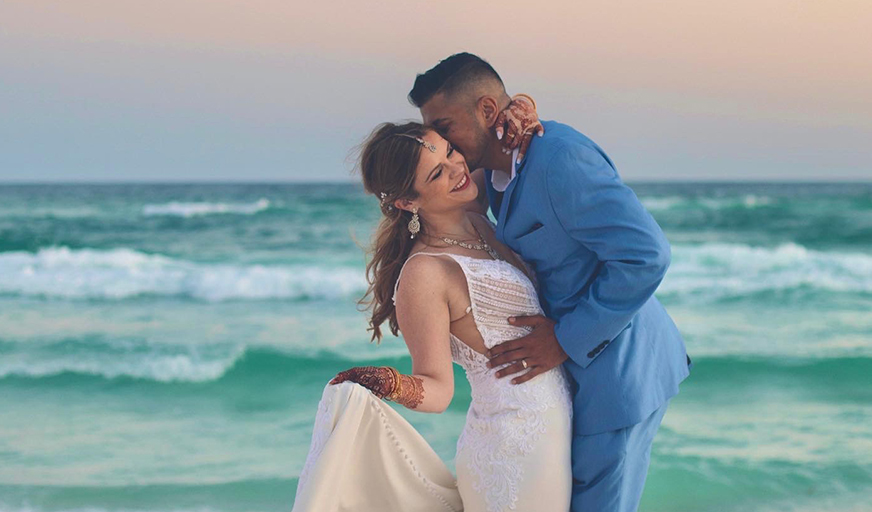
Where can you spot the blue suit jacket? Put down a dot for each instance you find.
(598, 256)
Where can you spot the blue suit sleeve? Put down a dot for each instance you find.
(601, 213)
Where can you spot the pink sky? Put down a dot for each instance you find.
(140, 90)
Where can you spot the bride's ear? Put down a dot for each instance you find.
(404, 204)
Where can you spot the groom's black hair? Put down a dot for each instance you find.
(450, 76)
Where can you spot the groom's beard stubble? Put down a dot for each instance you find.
(483, 149)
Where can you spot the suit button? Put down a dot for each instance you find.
(598, 349)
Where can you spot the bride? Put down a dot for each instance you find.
(439, 275)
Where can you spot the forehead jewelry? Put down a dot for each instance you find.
(431, 147)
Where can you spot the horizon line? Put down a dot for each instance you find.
(842, 180)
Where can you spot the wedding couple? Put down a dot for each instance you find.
(551, 312)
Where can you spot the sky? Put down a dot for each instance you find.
(269, 90)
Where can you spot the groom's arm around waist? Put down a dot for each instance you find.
(602, 214)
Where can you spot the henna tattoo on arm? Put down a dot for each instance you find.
(386, 383)
(411, 391)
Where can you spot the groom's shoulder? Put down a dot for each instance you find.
(563, 143)
(561, 137)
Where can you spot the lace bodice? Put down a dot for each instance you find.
(505, 421)
(497, 290)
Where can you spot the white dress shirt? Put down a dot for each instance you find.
(500, 179)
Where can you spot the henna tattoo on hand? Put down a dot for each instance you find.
(379, 380)
(521, 121)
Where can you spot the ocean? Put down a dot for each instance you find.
(163, 347)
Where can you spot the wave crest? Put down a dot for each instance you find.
(138, 359)
(124, 273)
(728, 270)
(172, 363)
(747, 201)
(180, 209)
(708, 272)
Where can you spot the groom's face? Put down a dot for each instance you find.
(457, 120)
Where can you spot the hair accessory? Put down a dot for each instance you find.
(431, 147)
(385, 204)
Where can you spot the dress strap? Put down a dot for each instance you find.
(397, 284)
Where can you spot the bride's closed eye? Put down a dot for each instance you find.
(439, 173)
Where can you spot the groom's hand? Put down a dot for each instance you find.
(539, 349)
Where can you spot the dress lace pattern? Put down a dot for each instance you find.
(505, 422)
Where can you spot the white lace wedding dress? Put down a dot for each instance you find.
(513, 452)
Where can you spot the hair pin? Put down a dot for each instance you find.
(384, 203)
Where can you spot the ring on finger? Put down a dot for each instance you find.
(524, 363)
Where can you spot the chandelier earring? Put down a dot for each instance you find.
(415, 223)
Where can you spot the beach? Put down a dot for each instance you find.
(163, 347)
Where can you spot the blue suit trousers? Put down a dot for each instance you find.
(609, 469)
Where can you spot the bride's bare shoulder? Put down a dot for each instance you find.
(424, 271)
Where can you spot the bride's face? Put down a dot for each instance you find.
(442, 178)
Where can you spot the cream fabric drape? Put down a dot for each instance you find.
(366, 457)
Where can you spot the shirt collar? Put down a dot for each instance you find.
(501, 179)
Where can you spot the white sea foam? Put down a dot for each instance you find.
(123, 273)
(718, 270)
(162, 367)
(707, 271)
(750, 201)
(31, 508)
(661, 203)
(180, 209)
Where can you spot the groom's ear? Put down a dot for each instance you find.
(489, 109)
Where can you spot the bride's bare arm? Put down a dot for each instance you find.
(422, 313)
(423, 317)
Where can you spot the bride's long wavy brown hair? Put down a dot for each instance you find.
(388, 160)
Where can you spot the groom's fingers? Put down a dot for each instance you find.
(510, 351)
(509, 357)
(514, 368)
(506, 347)
(534, 371)
(530, 321)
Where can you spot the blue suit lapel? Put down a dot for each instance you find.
(504, 209)
(507, 198)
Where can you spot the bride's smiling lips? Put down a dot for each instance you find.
(462, 184)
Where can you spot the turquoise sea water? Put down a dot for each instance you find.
(163, 347)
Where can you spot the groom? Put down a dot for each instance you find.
(598, 256)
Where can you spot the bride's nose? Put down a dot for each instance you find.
(457, 169)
